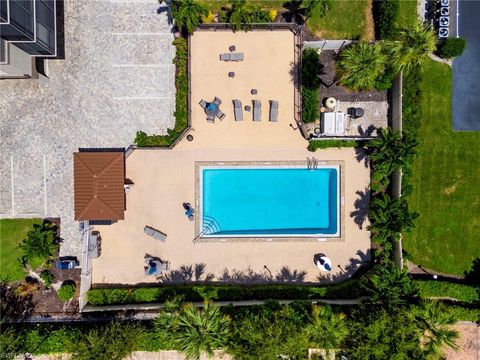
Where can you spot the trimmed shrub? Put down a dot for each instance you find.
(47, 277)
(436, 288)
(325, 144)
(109, 296)
(181, 102)
(67, 290)
(451, 47)
(309, 104)
(385, 13)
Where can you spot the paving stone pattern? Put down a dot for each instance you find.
(117, 78)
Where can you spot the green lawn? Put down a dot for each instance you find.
(346, 20)
(407, 14)
(12, 231)
(445, 182)
(216, 5)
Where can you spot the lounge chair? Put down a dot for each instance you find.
(257, 110)
(156, 234)
(225, 57)
(221, 115)
(237, 109)
(236, 57)
(217, 101)
(273, 110)
(203, 104)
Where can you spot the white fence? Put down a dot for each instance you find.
(326, 44)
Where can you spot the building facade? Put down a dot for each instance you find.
(28, 29)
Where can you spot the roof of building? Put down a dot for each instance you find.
(98, 185)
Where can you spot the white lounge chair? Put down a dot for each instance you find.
(237, 109)
(225, 57)
(273, 110)
(236, 57)
(156, 234)
(257, 110)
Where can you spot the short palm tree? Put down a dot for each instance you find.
(361, 65)
(40, 242)
(434, 318)
(412, 47)
(200, 331)
(327, 329)
(187, 14)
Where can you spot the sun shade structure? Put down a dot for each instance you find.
(98, 185)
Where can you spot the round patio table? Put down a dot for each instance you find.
(324, 264)
(211, 109)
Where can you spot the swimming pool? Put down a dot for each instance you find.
(269, 201)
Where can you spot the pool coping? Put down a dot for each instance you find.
(227, 164)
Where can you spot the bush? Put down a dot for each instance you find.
(451, 47)
(385, 13)
(309, 104)
(109, 296)
(181, 102)
(67, 290)
(47, 277)
(40, 243)
(325, 144)
(436, 288)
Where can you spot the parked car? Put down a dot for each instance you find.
(67, 262)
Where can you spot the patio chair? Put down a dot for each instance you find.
(273, 110)
(203, 104)
(211, 118)
(154, 233)
(236, 57)
(217, 101)
(237, 109)
(225, 57)
(221, 115)
(257, 110)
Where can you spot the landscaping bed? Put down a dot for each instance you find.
(108, 296)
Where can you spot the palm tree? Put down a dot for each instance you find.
(295, 11)
(40, 242)
(412, 47)
(361, 65)
(327, 329)
(434, 318)
(187, 14)
(200, 331)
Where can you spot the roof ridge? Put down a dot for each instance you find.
(110, 164)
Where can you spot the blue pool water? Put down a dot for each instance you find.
(269, 201)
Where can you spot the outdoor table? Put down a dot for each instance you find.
(324, 264)
(211, 109)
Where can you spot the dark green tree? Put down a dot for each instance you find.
(187, 14)
(41, 242)
(451, 47)
(388, 286)
(113, 342)
(327, 329)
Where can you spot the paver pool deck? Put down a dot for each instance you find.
(165, 179)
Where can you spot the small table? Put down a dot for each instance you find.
(248, 108)
(253, 91)
(211, 109)
(324, 264)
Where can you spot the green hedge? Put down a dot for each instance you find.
(325, 144)
(181, 104)
(110, 296)
(451, 47)
(385, 13)
(435, 288)
(309, 104)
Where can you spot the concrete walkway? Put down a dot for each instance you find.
(117, 78)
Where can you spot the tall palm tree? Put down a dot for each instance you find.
(361, 65)
(412, 47)
(200, 331)
(187, 14)
(327, 329)
(434, 318)
(295, 11)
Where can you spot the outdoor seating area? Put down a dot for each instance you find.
(154, 265)
(238, 68)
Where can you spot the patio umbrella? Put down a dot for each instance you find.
(330, 102)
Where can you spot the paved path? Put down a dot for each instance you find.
(117, 78)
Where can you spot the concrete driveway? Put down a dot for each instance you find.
(117, 78)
